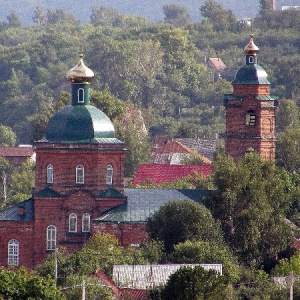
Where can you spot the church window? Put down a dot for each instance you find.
(13, 253)
(251, 59)
(80, 95)
(80, 174)
(51, 237)
(50, 173)
(109, 174)
(250, 118)
(86, 223)
(73, 223)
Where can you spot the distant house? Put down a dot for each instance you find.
(172, 152)
(159, 173)
(133, 282)
(17, 155)
(150, 276)
(163, 146)
(217, 66)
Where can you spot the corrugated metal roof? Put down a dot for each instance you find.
(149, 276)
(141, 203)
(48, 192)
(11, 213)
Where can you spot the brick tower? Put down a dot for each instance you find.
(250, 110)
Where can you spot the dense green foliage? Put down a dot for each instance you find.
(251, 199)
(19, 285)
(179, 221)
(158, 67)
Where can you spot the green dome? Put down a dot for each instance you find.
(80, 123)
(251, 74)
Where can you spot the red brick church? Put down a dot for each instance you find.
(79, 180)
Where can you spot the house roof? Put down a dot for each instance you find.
(149, 276)
(163, 173)
(119, 292)
(16, 151)
(141, 203)
(12, 213)
(205, 147)
(217, 63)
(172, 152)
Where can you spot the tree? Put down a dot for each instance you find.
(104, 16)
(221, 18)
(176, 15)
(205, 252)
(178, 221)
(251, 201)
(5, 173)
(20, 284)
(131, 129)
(195, 283)
(287, 115)
(288, 149)
(7, 136)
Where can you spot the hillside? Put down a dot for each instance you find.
(150, 9)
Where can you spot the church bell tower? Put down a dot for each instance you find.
(250, 110)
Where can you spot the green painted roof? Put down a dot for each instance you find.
(141, 203)
(79, 123)
(111, 193)
(251, 74)
(48, 192)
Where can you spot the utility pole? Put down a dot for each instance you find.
(290, 281)
(55, 266)
(83, 290)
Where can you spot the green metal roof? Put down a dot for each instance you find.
(79, 123)
(251, 74)
(48, 192)
(111, 193)
(141, 203)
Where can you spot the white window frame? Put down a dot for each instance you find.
(13, 253)
(51, 237)
(251, 118)
(80, 95)
(80, 174)
(50, 173)
(86, 223)
(109, 175)
(72, 222)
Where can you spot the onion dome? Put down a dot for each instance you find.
(80, 73)
(251, 72)
(251, 48)
(79, 122)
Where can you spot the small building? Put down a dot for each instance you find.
(17, 155)
(217, 66)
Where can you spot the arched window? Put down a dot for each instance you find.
(50, 173)
(251, 59)
(109, 174)
(86, 223)
(13, 253)
(250, 118)
(73, 223)
(80, 95)
(51, 237)
(79, 174)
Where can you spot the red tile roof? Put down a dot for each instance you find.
(161, 173)
(217, 63)
(16, 151)
(121, 293)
